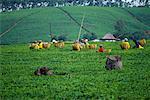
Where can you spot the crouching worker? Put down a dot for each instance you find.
(142, 42)
(137, 44)
(34, 45)
(125, 44)
(40, 44)
(76, 46)
(101, 48)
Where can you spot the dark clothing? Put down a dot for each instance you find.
(137, 44)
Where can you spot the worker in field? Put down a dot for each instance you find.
(125, 44)
(142, 42)
(34, 45)
(84, 41)
(40, 44)
(101, 48)
(137, 44)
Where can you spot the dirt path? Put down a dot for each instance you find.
(69, 15)
(16, 23)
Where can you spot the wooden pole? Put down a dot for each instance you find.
(50, 28)
(81, 28)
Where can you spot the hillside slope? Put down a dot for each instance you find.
(35, 23)
(142, 14)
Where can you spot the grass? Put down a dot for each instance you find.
(35, 22)
(84, 76)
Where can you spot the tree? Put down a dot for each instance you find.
(120, 28)
(62, 37)
(87, 36)
(53, 36)
(93, 36)
(139, 35)
(145, 2)
(90, 36)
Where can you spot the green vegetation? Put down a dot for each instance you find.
(35, 23)
(84, 76)
(102, 19)
(142, 14)
(78, 75)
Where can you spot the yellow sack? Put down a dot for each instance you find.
(142, 42)
(140, 47)
(36, 47)
(40, 45)
(76, 46)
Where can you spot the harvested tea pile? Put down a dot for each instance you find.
(43, 71)
(113, 62)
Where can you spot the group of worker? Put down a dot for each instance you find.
(84, 42)
(39, 45)
(138, 44)
(126, 45)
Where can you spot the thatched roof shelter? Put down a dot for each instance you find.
(109, 36)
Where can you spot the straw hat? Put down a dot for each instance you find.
(101, 45)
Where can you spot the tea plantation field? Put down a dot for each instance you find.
(33, 24)
(78, 75)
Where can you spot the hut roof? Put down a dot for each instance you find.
(109, 36)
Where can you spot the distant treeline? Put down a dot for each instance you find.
(9, 5)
